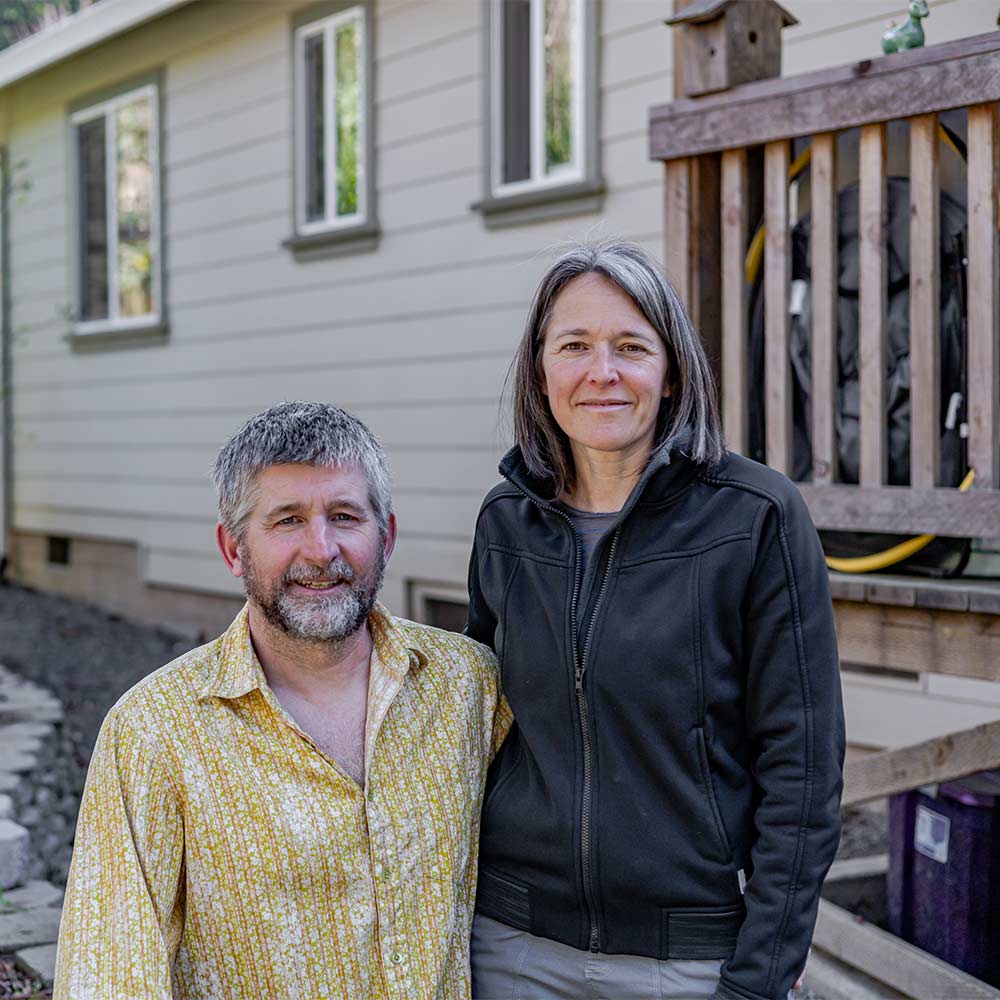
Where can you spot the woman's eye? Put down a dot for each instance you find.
(574, 346)
(633, 349)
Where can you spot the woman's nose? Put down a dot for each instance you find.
(602, 366)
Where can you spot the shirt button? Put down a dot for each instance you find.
(396, 958)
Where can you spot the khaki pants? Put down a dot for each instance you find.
(508, 964)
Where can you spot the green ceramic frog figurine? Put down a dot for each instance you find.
(909, 34)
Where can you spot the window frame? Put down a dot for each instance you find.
(578, 188)
(332, 234)
(90, 109)
(420, 591)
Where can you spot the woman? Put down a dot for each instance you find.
(661, 817)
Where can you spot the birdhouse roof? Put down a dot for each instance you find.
(708, 10)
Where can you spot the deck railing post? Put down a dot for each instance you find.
(824, 306)
(925, 309)
(984, 287)
(872, 431)
(734, 299)
(777, 270)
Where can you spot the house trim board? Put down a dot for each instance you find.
(78, 32)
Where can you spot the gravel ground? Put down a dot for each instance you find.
(866, 832)
(17, 985)
(87, 658)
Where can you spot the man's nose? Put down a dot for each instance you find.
(320, 543)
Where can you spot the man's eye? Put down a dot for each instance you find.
(291, 519)
(342, 516)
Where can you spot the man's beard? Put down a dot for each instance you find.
(323, 617)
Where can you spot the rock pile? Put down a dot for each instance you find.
(30, 741)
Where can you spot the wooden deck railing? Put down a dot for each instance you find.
(710, 146)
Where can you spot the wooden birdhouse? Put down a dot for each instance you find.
(728, 42)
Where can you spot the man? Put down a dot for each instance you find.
(291, 811)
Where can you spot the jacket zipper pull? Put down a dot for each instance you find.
(579, 681)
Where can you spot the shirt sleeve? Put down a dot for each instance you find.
(795, 721)
(503, 717)
(122, 916)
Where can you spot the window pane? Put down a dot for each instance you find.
(93, 220)
(348, 111)
(314, 128)
(135, 208)
(559, 83)
(516, 89)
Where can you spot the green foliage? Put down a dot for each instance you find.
(21, 18)
(348, 99)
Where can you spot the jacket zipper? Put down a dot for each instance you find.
(579, 666)
(581, 702)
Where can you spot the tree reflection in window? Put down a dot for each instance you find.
(135, 209)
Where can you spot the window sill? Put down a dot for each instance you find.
(95, 336)
(542, 204)
(362, 238)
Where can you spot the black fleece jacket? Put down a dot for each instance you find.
(672, 784)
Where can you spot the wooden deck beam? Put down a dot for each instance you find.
(931, 762)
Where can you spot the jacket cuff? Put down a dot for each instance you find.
(724, 991)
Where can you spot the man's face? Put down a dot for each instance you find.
(311, 557)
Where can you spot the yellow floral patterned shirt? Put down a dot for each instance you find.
(220, 855)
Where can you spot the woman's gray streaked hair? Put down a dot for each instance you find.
(300, 433)
(689, 414)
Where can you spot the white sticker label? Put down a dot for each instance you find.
(741, 877)
(797, 297)
(930, 837)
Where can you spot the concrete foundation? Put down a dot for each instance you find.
(108, 575)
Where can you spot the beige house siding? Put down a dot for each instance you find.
(112, 442)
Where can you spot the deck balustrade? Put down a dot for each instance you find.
(717, 181)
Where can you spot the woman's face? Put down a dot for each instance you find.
(604, 368)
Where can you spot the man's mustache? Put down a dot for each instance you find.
(337, 571)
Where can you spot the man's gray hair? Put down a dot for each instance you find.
(297, 433)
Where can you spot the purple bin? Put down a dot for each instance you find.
(944, 873)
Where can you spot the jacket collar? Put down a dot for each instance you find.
(237, 671)
(668, 471)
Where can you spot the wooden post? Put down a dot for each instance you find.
(872, 306)
(677, 228)
(925, 306)
(734, 299)
(706, 255)
(777, 266)
(824, 307)
(984, 288)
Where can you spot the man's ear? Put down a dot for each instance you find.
(229, 548)
(390, 538)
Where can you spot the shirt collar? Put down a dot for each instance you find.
(237, 671)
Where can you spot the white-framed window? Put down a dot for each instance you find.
(331, 133)
(443, 605)
(117, 167)
(538, 109)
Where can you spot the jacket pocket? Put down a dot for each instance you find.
(500, 897)
(508, 761)
(705, 932)
(713, 805)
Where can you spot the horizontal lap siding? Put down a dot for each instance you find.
(414, 337)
